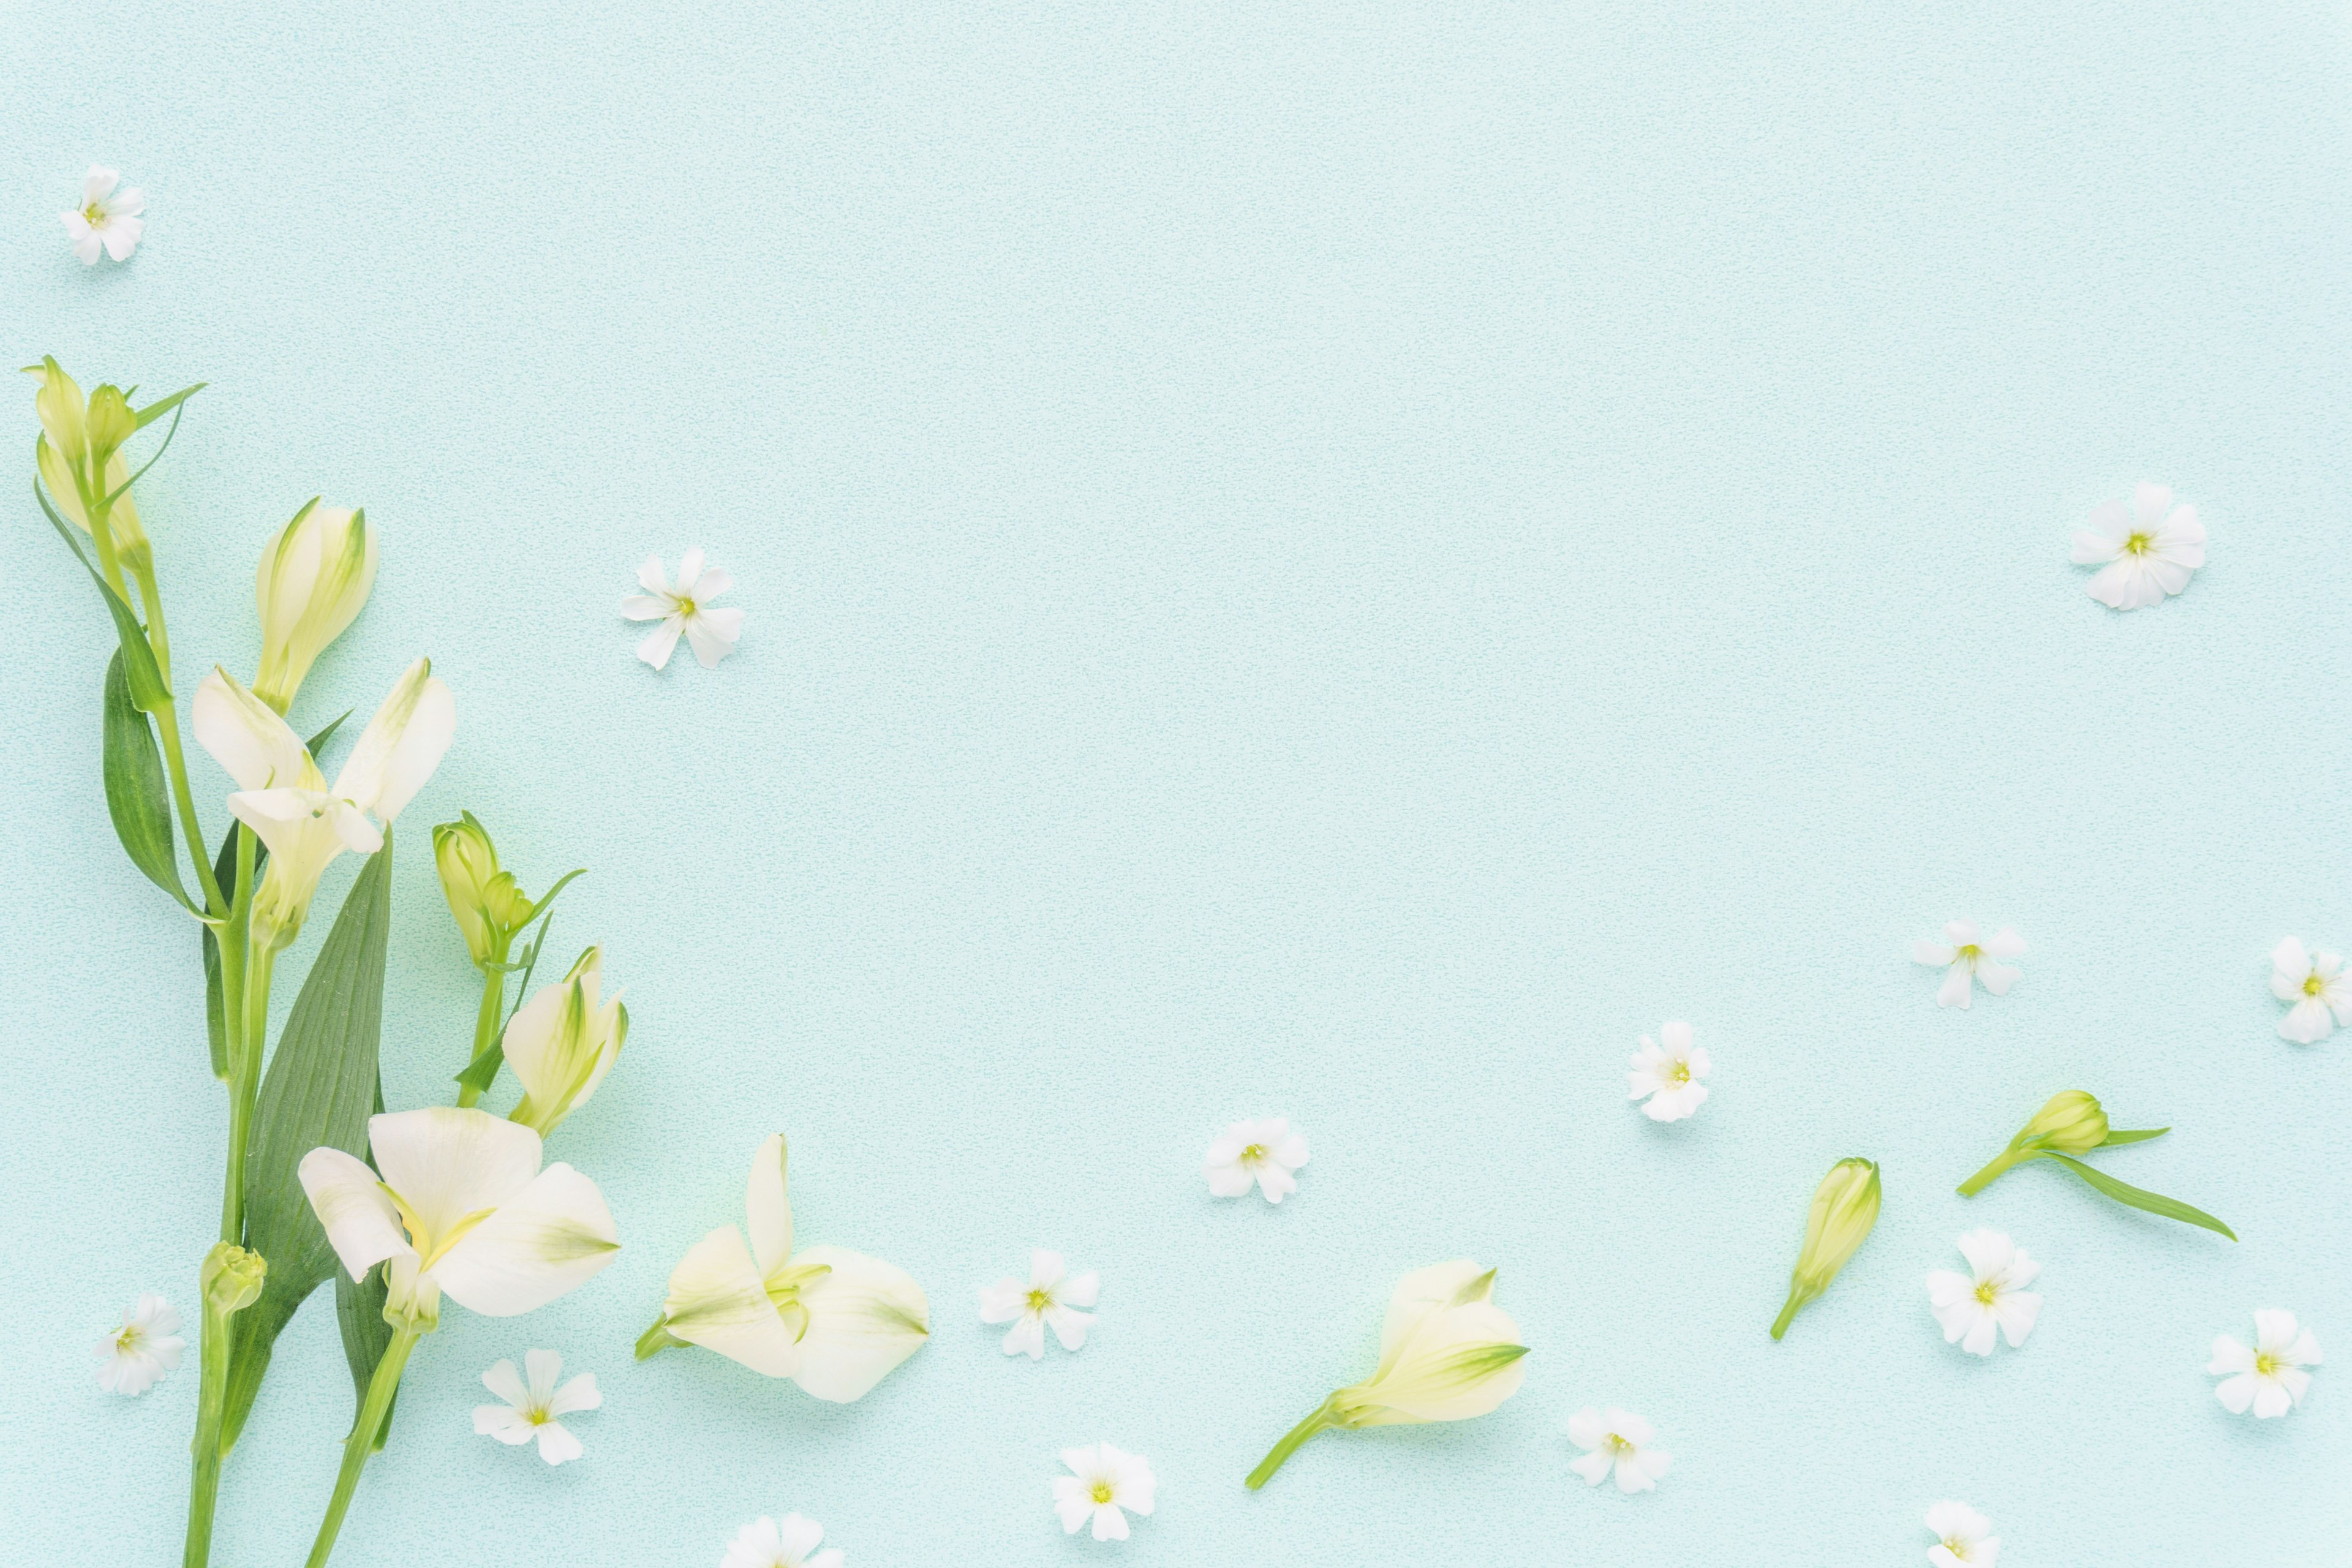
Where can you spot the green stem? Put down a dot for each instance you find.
(486, 1018)
(1326, 1415)
(657, 1338)
(1797, 1297)
(361, 1442)
(167, 724)
(2007, 1159)
(245, 1084)
(203, 1487)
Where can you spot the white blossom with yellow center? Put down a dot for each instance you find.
(1967, 956)
(1991, 1301)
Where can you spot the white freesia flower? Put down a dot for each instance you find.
(766, 1544)
(684, 606)
(143, 1349)
(1051, 1295)
(1616, 1440)
(284, 798)
(2144, 553)
(1975, 1308)
(106, 217)
(2315, 982)
(1969, 956)
(833, 1321)
(462, 1208)
(2269, 1377)
(1102, 1482)
(1266, 1153)
(531, 1408)
(1668, 1078)
(562, 1042)
(1964, 1537)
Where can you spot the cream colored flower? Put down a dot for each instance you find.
(313, 580)
(2144, 553)
(562, 1042)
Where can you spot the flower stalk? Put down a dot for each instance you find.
(2071, 1122)
(381, 1386)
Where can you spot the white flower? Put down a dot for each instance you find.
(106, 218)
(1101, 1482)
(1619, 1440)
(562, 1042)
(1049, 1296)
(1265, 1152)
(1963, 1537)
(1992, 1303)
(2143, 554)
(2317, 984)
(531, 1409)
(1969, 955)
(2269, 1377)
(764, 1543)
(1669, 1077)
(684, 606)
(463, 1207)
(833, 1321)
(284, 798)
(143, 1349)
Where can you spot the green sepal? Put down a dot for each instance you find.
(135, 790)
(150, 693)
(2115, 1136)
(156, 410)
(2151, 1202)
(319, 1091)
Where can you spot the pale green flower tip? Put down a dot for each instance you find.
(468, 865)
(313, 580)
(2068, 1122)
(232, 1278)
(1845, 1208)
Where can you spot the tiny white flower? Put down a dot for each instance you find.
(1669, 1077)
(1051, 1295)
(1971, 956)
(143, 1349)
(2144, 553)
(1101, 1482)
(1265, 1152)
(1964, 1537)
(107, 218)
(2317, 985)
(1616, 1440)
(766, 1544)
(684, 606)
(2269, 1377)
(531, 1409)
(1975, 1310)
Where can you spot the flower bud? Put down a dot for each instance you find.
(312, 581)
(61, 409)
(2070, 1122)
(64, 451)
(468, 864)
(562, 1042)
(232, 1278)
(107, 423)
(1845, 1206)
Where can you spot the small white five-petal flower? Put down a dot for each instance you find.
(143, 1349)
(2269, 1377)
(1050, 1296)
(1617, 1440)
(1969, 955)
(2315, 982)
(107, 218)
(766, 1543)
(1964, 1537)
(1975, 1311)
(684, 606)
(1102, 1481)
(2142, 554)
(1669, 1077)
(1266, 1153)
(531, 1408)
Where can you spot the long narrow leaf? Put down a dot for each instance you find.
(162, 405)
(2117, 1135)
(148, 692)
(319, 1091)
(135, 797)
(2153, 1202)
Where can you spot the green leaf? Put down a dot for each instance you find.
(319, 1088)
(135, 794)
(2153, 1202)
(148, 692)
(2117, 1135)
(154, 411)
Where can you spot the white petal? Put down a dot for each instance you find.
(1082, 1289)
(1231, 1180)
(1593, 1467)
(1959, 1521)
(1983, 1330)
(1998, 977)
(1677, 1037)
(1026, 1337)
(503, 1422)
(1954, 990)
(710, 585)
(1629, 1427)
(1934, 952)
(554, 1235)
(653, 579)
(121, 237)
(644, 607)
(1987, 1251)
(717, 1301)
(556, 1442)
(545, 1367)
(711, 637)
(2270, 1399)
(2094, 549)
(1136, 1486)
(2229, 1355)
(797, 1536)
(360, 1223)
(1586, 1428)
(1002, 1302)
(2151, 505)
(2308, 1023)
(1069, 1326)
(1291, 1152)
(1072, 1504)
(401, 744)
(1946, 1289)
(504, 1381)
(447, 1163)
(88, 245)
(247, 737)
(1960, 934)
(2005, 943)
(2237, 1393)
(690, 569)
(655, 649)
(767, 1206)
(580, 1393)
(1274, 1182)
(2017, 1310)
(1109, 1523)
(865, 1318)
(1631, 1476)
(97, 185)
(2273, 1331)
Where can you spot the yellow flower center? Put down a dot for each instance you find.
(683, 607)
(94, 215)
(1617, 1444)
(430, 1249)
(2266, 1365)
(2313, 985)
(127, 1336)
(1986, 1292)
(1040, 1300)
(1970, 954)
(1956, 1547)
(2139, 544)
(1253, 1154)
(1680, 1073)
(1100, 1491)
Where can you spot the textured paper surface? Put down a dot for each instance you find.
(1344, 562)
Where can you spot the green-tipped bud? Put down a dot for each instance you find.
(2070, 1122)
(65, 452)
(61, 409)
(1845, 1206)
(468, 864)
(562, 1042)
(108, 422)
(314, 577)
(232, 1278)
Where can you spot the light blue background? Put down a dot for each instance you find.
(1345, 561)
